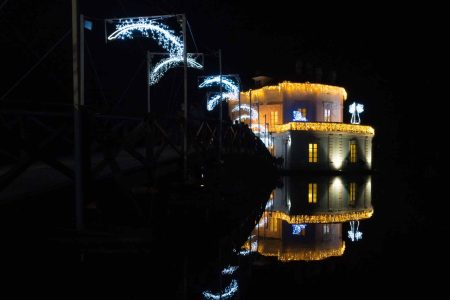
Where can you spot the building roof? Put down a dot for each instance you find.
(324, 126)
(306, 87)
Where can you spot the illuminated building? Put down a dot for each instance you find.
(305, 218)
(306, 125)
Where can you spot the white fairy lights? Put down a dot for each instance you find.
(229, 270)
(298, 228)
(164, 36)
(229, 292)
(246, 108)
(297, 116)
(230, 93)
(355, 109)
(147, 27)
(354, 234)
(173, 61)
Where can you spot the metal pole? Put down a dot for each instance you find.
(149, 65)
(239, 98)
(250, 109)
(265, 130)
(220, 110)
(259, 122)
(185, 161)
(78, 102)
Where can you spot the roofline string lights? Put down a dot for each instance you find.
(231, 89)
(325, 127)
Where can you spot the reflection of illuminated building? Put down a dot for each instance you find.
(306, 123)
(304, 220)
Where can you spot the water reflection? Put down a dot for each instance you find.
(304, 219)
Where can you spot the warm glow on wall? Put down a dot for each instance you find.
(325, 127)
(337, 160)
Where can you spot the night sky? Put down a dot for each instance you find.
(385, 57)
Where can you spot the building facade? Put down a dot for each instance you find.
(305, 219)
(305, 122)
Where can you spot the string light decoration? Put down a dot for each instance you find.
(231, 90)
(247, 108)
(244, 252)
(297, 228)
(163, 35)
(339, 217)
(227, 293)
(324, 126)
(354, 234)
(171, 62)
(299, 88)
(146, 27)
(269, 205)
(355, 109)
(215, 100)
(298, 117)
(229, 270)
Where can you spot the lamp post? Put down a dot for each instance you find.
(221, 105)
(78, 109)
(185, 158)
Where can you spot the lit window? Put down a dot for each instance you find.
(352, 194)
(274, 118)
(326, 229)
(303, 112)
(312, 153)
(312, 193)
(299, 115)
(327, 115)
(353, 151)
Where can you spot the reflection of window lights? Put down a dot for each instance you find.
(312, 153)
(352, 193)
(312, 193)
(273, 225)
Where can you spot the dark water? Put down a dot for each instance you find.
(334, 236)
(312, 235)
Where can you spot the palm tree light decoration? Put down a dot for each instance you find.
(355, 109)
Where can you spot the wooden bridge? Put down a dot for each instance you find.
(37, 153)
